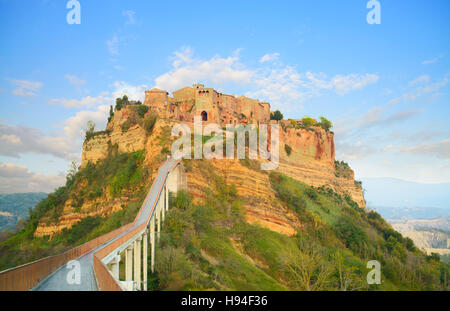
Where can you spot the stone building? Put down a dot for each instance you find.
(211, 105)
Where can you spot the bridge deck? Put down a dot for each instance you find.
(57, 281)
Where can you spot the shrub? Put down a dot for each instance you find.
(182, 200)
(111, 113)
(149, 123)
(325, 124)
(352, 235)
(308, 121)
(277, 115)
(288, 149)
(142, 110)
(121, 102)
(165, 150)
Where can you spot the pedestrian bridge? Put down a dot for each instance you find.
(98, 260)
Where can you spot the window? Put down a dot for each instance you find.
(204, 116)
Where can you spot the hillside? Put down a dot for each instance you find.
(208, 242)
(431, 235)
(301, 227)
(15, 206)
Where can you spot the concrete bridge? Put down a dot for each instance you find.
(98, 260)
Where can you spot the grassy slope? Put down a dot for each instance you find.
(120, 175)
(210, 246)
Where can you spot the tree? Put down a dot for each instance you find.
(348, 277)
(121, 102)
(306, 270)
(325, 124)
(90, 128)
(277, 115)
(73, 168)
(111, 113)
(308, 121)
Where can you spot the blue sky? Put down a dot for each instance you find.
(385, 87)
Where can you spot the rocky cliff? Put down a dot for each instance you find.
(306, 154)
(312, 160)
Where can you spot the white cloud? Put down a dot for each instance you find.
(344, 84)
(285, 86)
(419, 80)
(188, 70)
(133, 92)
(74, 80)
(15, 178)
(269, 57)
(113, 45)
(432, 60)
(67, 144)
(25, 87)
(438, 149)
(74, 126)
(130, 15)
(422, 86)
(280, 85)
(15, 140)
(87, 101)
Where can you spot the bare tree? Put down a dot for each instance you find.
(90, 128)
(306, 269)
(348, 278)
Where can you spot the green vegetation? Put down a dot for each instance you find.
(308, 121)
(325, 124)
(90, 135)
(121, 102)
(111, 113)
(142, 110)
(288, 149)
(342, 169)
(129, 173)
(210, 246)
(149, 123)
(277, 115)
(116, 173)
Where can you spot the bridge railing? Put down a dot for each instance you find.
(27, 276)
(105, 279)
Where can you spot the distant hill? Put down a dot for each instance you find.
(15, 206)
(395, 198)
(431, 235)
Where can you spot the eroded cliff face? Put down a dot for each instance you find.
(98, 147)
(306, 155)
(253, 185)
(312, 161)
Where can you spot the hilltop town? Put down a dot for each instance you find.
(306, 152)
(211, 105)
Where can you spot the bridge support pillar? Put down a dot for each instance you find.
(152, 243)
(166, 192)
(137, 263)
(113, 266)
(129, 263)
(145, 259)
(162, 207)
(158, 219)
